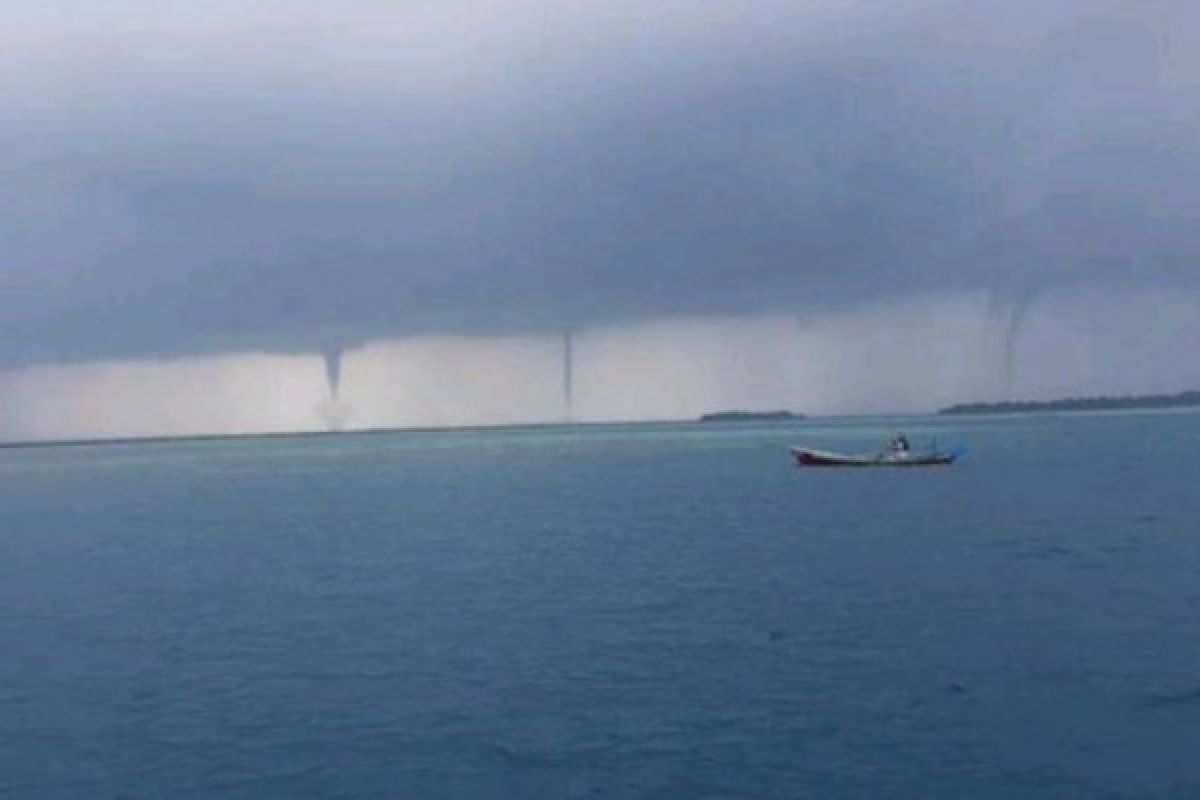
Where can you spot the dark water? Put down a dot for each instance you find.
(636, 612)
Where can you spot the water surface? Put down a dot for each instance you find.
(633, 611)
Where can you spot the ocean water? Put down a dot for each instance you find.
(615, 612)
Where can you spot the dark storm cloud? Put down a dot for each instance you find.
(204, 183)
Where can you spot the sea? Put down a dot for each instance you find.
(612, 611)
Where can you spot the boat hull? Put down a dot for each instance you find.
(806, 457)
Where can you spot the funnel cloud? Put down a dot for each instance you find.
(568, 376)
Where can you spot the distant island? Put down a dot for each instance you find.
(748, 416)
(1180, 400)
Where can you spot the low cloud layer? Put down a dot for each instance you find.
(914, 355)
(187, 180)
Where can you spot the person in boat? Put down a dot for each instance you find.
(900, 445)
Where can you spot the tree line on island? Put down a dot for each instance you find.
(746, 416)
(1103, 403)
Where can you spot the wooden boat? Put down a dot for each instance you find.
(808, 457)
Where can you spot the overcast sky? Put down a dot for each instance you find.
(225, 190)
